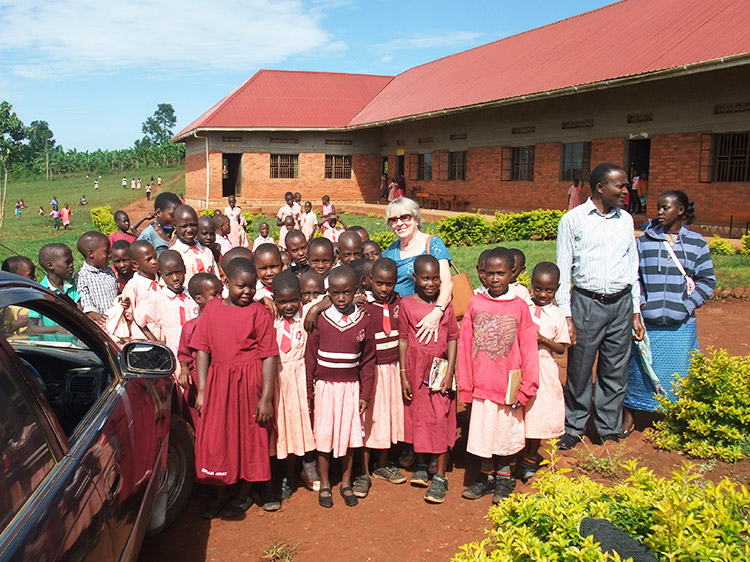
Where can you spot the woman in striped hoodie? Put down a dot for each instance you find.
(677, 276)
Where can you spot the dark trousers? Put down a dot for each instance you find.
(604, 331)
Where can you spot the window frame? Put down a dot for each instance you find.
(424, 169)
(730, 157)
(522, 163)
(338, 166)
(457, 165)
(570, 168)
(281, 170)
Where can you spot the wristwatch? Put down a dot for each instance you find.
(440, 307)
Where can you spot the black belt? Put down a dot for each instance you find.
(605, 299)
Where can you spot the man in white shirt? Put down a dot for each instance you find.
(597, 256)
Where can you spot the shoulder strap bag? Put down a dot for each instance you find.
(462, 288)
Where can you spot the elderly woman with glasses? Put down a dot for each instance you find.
(404, 217)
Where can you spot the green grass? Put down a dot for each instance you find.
(732, 271)
(29, 233)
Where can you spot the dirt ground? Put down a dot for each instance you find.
(394, 522)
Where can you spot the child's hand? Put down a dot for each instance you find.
(199, 401)
(360, 298)
(363, 404)
(447, 384)
(98, 318)
(183, 379)
(405, 387)
(263, 411)
(125, 303)
(271, 306)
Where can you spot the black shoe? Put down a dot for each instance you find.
(568, 441)
(503, 488)
(484, 485)
(613, 438)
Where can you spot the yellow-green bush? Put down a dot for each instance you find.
(384, 238)
(540, 224)
(463, 230)
(683, 518)
(717, 245)
(711, 417)
(745, 250)
(103, 219)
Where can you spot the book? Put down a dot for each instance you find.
(514, 383)
(438, 372)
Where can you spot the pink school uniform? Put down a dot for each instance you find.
(340, 364)
(184, 353)
(141, 291)
(497, 335)
(384, 419)
(224, 243)
(197, 258)
(331, 232)
(229, 444)
(237, 224)
(262, 292)
(287, 211)
(520, 291)
(307, 224)
(544, 416)
(263, 240)
(429, 417)
(294, 434)
(171, 311)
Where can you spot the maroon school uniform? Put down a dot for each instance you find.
(229, 444)
(184, 353)
(386, 349)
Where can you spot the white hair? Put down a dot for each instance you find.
(404, 205)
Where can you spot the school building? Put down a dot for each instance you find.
(659, 86)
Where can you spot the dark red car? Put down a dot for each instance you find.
(87, 461)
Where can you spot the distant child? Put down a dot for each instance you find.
(159, 232)
(148, 192)
(123, 232)
(42, 212)
(519, 266)
(82, 201)
(236, 369)
(287, 227)
(263, 236)
(237, 222)
(298, 201)
(544, 416)
(312, 285)
(197, 258)
(350, 246)
(498, 339)
(95, 281)
(207, 236)
(14, 320)
(55, 214)
(481, 263)
(429, 415)
(308, 222)
(268, 266)
(57, 262)
(371, 250)
(384, 419)
(328, 208)
(121, 263)
(320, 256)
(222, 233)
(294, 435)
(296, 245)
(65, 214)
(203, 287)
(289, 209)
(330, 229)
(286, 260)
(362, 231)
(340, 362)
(142, 289)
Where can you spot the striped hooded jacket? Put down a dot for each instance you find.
(664, 298)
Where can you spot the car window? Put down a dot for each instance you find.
(55, 352)
(25, 455)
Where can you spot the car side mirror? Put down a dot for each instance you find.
(147, 359)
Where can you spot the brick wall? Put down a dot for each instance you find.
(195, 177)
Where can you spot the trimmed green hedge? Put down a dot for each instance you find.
(103, 219)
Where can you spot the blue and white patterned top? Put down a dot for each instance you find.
(405, 283)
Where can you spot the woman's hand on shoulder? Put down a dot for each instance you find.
(429, 325)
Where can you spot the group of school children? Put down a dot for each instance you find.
(315, 356)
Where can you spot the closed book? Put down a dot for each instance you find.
(514, 383)
(438, 372)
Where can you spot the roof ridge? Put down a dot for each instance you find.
(324, 72)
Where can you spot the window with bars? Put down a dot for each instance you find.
(522, 163)
(284, 166)
(424, 167)
(576, 161)
(338, 167)
(731, 157)
(457, 166)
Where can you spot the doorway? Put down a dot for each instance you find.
(231, 174)
(639, 155)
(399, 166)
(384, 166)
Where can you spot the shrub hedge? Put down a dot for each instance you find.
(103, 219)
(720, 247)
(745, 250)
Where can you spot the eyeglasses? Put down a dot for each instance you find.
(403, 218)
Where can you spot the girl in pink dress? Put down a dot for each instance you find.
(328, 209)
(498, 339)
(236, 360)
(294, 435)
(65, 214)
(544, 416)
(237, 223)
(429, 416)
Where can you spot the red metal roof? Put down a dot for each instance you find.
(625, 39)
(277, 98)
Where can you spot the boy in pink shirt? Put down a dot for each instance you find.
(290, 209)
(223, 228)
(142, 288)
(308, 222)
(196, 257)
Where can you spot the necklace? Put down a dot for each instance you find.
(672, 237)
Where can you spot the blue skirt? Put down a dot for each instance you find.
(671, 347)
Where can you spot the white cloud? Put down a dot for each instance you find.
(425, 41)
(44, 39)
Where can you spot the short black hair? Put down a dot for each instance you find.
(362, 267)
(343, 272)
(323, 243)
(91, 240)
(267, 248)
(601, 173)
(503, 254)
(350, 237)
(358, 228)
(683, 201)
(371, 242)
(385, 264)
(288, 194)
(206, 220)
(518, 254)
(284, 281)
(424, 260)
(166, 199)
(238, 266)
(546, 268)
(50, 252)
(170, 256)
(220, 218)
(14, 264)
(121, 245)
(482, 259)
(234, 253)
(136, 247)
(292, 234)
(310, 274)
(120, 213)
(199, 281)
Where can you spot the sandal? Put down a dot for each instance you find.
(325, 501)
(349, 499)
(236, 507)
(214, 508)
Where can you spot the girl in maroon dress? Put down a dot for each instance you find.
(236, 365)
(429, 416)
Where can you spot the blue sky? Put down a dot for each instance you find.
(95, 70)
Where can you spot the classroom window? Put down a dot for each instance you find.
(284, 166)
(425, 167)
(522, 165)
(576, 161)
(338, 167)
(732, 157)
(457, 165)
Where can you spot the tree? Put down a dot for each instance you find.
(12, 133)
(40, 143)
(158, 128)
